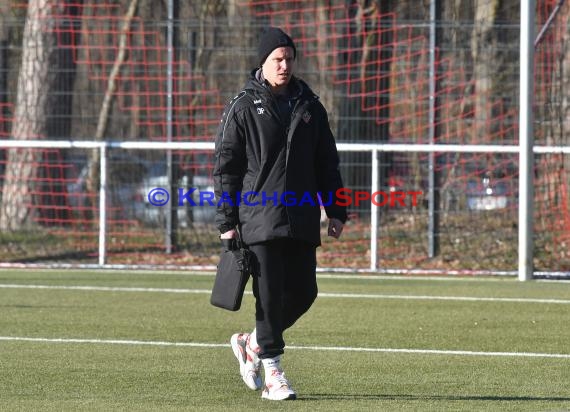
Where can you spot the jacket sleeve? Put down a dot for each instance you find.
(229, 169)
(329, 179)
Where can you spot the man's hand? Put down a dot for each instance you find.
(230, 234)
(335, 228)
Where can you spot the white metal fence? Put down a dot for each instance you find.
(525, 240)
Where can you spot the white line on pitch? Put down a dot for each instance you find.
(294, 347)
(322, 295)
(451, 298)
(325, 295)
(104, 288)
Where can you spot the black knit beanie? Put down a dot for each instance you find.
(272, 38)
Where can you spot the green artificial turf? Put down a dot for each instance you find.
(367, 344)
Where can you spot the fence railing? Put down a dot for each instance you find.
(524, 241)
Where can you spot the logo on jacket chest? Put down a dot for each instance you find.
(260, 110)
(306, 116)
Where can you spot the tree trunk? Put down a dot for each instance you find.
(53, 192)
(565, 109)
(35, 83)
(4, 35)
(484, 54)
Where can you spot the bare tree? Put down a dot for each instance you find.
(4, 35)
(35, 83)
(557, 131)
(104, 113)
(565, 99)
(483, 53)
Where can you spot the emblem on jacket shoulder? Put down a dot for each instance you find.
(306, 117)
(260, 110)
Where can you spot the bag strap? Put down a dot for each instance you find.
(239, 239)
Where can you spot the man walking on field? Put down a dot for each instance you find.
(275, 154)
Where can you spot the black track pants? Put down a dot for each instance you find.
(285, 287)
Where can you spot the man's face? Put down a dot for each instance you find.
(278, 68)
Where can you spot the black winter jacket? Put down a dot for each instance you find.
(268, 171)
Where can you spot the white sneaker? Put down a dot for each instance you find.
(249, 362)
(277, 387)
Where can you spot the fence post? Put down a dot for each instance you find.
(102, 203)
(169, 108)
(526, 163)
(374, 213)
(433, 177)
